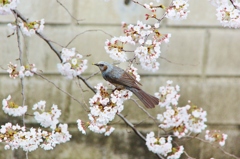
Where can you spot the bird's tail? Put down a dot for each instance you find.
(148, 100)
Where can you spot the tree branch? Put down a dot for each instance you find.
(138, 133)
(235, 6)
(18, 14)
(135, 130)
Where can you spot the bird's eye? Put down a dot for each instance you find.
(101, 65)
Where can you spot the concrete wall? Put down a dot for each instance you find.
(205, 63)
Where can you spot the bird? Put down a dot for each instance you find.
(123, 80)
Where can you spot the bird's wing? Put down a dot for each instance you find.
(125, 79)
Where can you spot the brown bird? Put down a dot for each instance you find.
(123, 80)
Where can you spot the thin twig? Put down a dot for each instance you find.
(21, 64)
(92, 30)
(77, 20)
(189, 157)
(92, 75)
(214, 145)
(87, 84)
(235, 6)
(18, 14)
(50, 45)
(158, 19)
(176, 62)
(86, 109)
(144, 110)
(135, 130)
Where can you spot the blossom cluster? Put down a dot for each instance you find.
(7, 5)
(46, 118)
(228, 14)
(168, 95)
(15, 136)
(29, 28)
(27, 70)
(163, 146)
(216, 136)
(11, 108)
(178, 10)
(114, 47)
(103, 108)
(133, 71)
(183, 120)
(147, 40)
(72, 63)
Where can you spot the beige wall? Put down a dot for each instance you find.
(205, 63)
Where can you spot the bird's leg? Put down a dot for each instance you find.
(118, 87)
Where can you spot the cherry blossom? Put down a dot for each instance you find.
(29, 28)
(146, 39)
(183, 120)
(16, 137)
(7, 5)
(133, 71)
(81, 126)
(103, 108)
(114, 47)
(178, 10)
(161, 146)
(168, 95)
(216, 136)
(227, 13)
(22, 71)
(228, 16)
(11, 108)
(72, 63)
(176, 152)
(46, 118)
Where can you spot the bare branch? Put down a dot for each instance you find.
(92, 75)
(233, 3)
(87, 84)
(144, 110)
(21, 64)
(92, 30)
(189, 157)
(50, 45)
(77, 20)
(214, 145)
(164, 58)
(18, 14)
(86, 109)
(135, 130)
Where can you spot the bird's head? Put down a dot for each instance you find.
(103, 66)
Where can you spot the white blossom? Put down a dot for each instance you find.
(11, 108)
(81, 127)
(8, 5)
(228, 16)
(72, 64)
(160, 146)
(216, 136)
(178, 10)
(177, 154)
(31, 28)
(22, 71)
(46, 118)
(168, 95)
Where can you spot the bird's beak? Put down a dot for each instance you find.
(95, 64)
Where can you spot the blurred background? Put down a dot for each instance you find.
(204, 61)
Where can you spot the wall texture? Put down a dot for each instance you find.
(204, 57)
